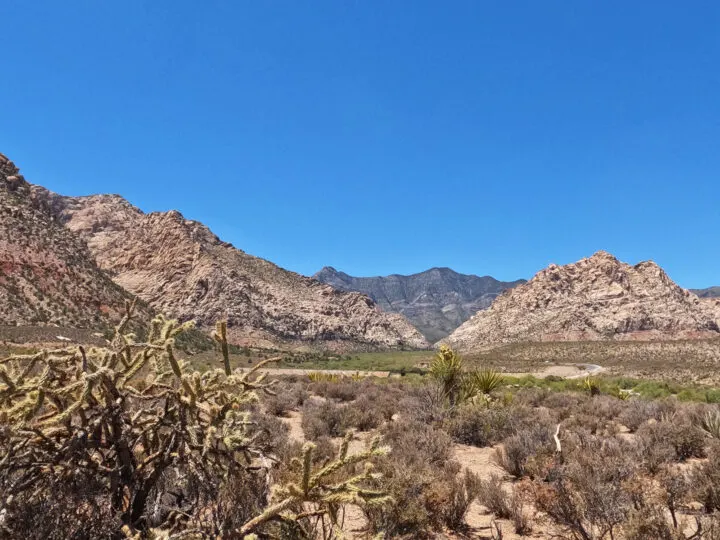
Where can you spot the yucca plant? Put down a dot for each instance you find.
(591, 385)
(710, 423)
(447, 369)
(459, 385)
(486, 380)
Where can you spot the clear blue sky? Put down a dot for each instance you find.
(380, 137)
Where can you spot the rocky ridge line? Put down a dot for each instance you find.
(598, 298)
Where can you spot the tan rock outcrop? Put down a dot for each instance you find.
(180, 267)
(598, 298)
(47, 274)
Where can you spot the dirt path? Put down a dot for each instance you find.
(342, 372)
(567, 371)
(481, 523)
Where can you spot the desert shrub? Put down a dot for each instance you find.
(636, 412)
(653, 454)
(563, 404)
(706, 484)
(588, 494)
(533, 396)
(331, 419)
(675, 486)
(494, 497)
(323, 419)
(340, 390)
(75, 508)
(591, 423)
(281, 403)
(649, 523)
(425, 405)
(686, 440)
(385, 399)
(418, 474)
(269, 431)
(414, 442)
(482, 425)
(606, 407)
(517, 450)
(362, 414)
(463, 491)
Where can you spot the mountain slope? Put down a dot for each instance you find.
(436, 301)
(180, 267)
(47, 274)
(599, 298)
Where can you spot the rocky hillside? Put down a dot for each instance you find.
(436, 301)
(710, 292)
(599, 298)
(47, 274)
(180, 267)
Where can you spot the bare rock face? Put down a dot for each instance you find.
(436, 301)
(47, 274)
(180, 267)
(599, 298)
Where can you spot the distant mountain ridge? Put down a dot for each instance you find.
(710, 292)
(594, 299)
(436, 301)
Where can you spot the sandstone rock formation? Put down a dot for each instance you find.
(180, 267)
(436, 301)
(598, 298)
(47, 274)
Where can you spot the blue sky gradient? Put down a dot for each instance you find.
(384, 137)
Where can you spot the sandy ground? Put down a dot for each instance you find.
(568, 371)
(343, 372)
(482, 523)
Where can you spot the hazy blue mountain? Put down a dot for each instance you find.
(436, 301)
(710, 292)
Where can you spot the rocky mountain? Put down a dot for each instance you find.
(710, 292)
(598, 298)
(436, 301)
(47, 274)
(180, 267)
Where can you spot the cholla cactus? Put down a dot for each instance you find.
(319, 493)
(134, 417)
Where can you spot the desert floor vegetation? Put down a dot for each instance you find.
(582, 458)
(131, 441)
